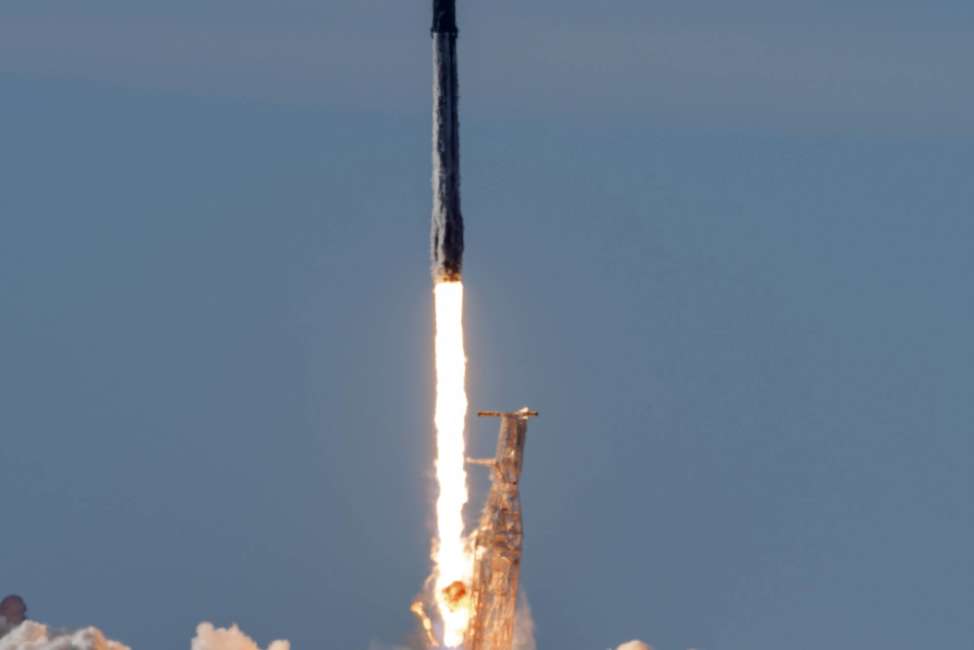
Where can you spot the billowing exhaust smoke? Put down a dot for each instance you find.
(634, 645)
(30, 635)
(211, 638)
(35, 636)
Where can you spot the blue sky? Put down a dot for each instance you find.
(724, 251)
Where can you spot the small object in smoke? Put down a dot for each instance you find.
(455, 591)
(13, 610)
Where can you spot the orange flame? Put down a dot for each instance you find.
(424, 620)
(453, 561)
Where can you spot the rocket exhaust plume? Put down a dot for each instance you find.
(451, 556)
(452, 559)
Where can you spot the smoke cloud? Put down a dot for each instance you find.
(634, 645)
(36, 636)
(523, 625)
(210, 638)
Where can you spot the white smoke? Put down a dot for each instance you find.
(210, 638)
(523, 625)
(634, 645)
(35, 636)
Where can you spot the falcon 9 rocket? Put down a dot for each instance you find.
(447, 230)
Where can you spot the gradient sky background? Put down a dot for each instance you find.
(724, 248)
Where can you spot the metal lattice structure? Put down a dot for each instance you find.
(498, 540)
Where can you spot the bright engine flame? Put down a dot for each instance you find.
(453, 563)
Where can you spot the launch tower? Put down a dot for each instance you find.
(498, 540)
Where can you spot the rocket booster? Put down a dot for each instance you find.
(447, 228)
